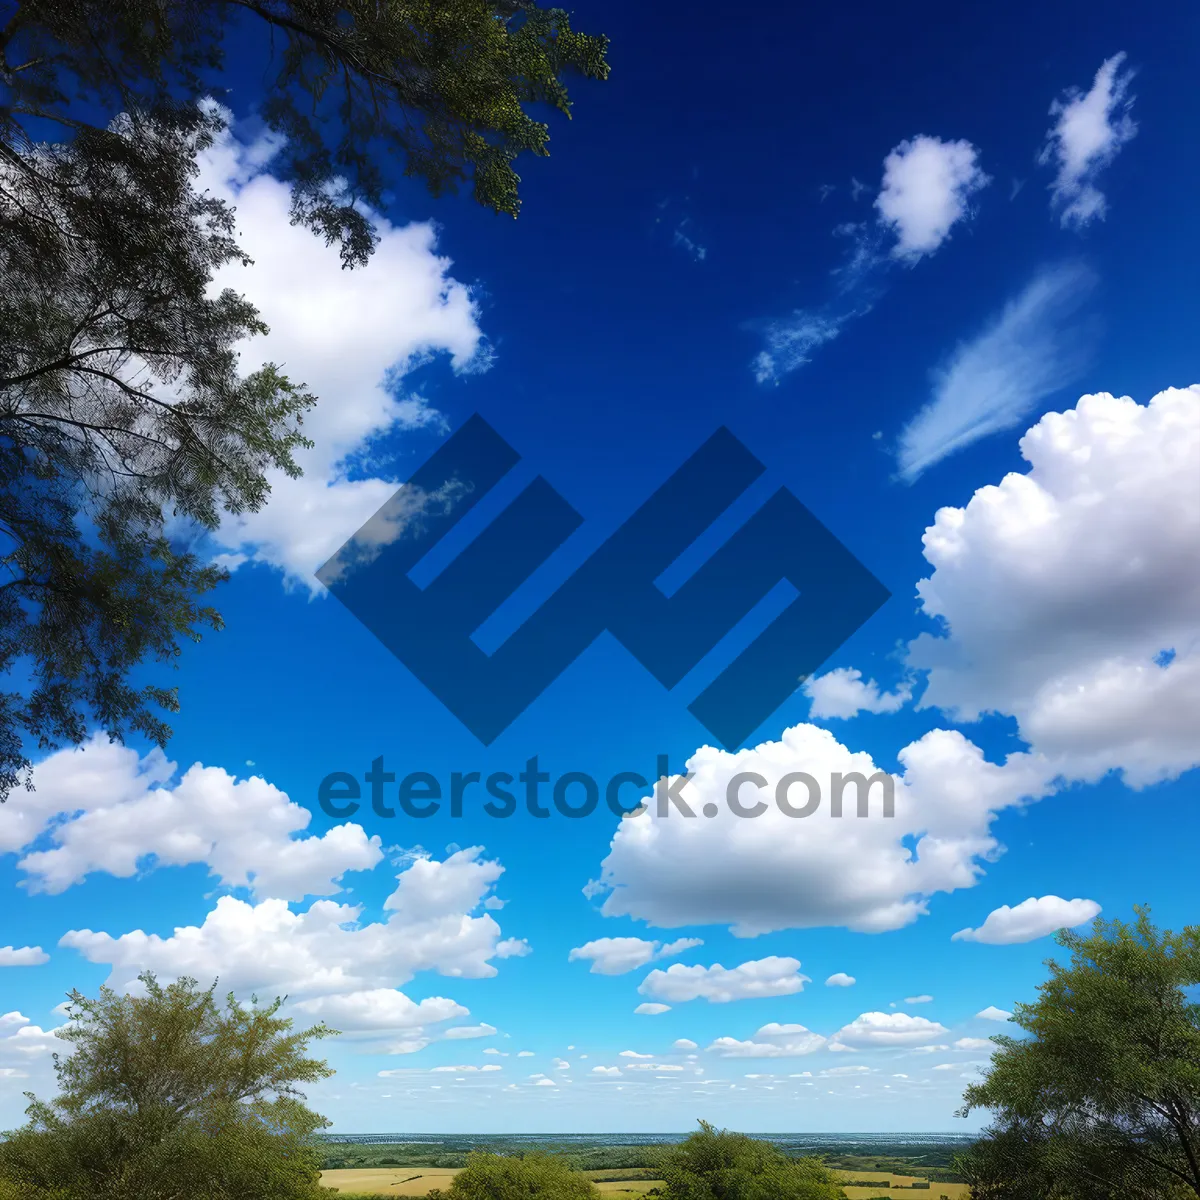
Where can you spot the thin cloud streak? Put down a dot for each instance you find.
(1031, 349)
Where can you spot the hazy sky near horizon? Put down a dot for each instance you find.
(936, 268)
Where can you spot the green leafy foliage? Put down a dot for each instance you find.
(123, 412)
(1102, 1097)
(715, 1164)
(507, 1177)
(171, 1095)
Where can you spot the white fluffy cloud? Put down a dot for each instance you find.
(886, 1029)
(324, 957)
(927, 186)
(25, 1050)
(1069, 596)
(22, 956)
(974, 1044)
(840, 979)
(351, 337)
(106, 808)
(619, 955)
(1089, 129)
(771, 1041)
(1031, 919)
(842, 692)
(379, 1009)
(776, 871)
(651, 1010)
(922, 999)
(771, 976)
(1032, 348)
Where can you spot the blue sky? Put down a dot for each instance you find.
(937, 273)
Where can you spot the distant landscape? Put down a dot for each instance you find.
(867, 1164)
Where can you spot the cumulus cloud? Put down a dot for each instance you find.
(927, 186)
(843, 693)
(1068, 596)
(840, 979)
(379, 1009)
(324, 957)
(105, 808)
(606, 1071)
(25, 1049)
(886, 1029)
(683, 1044)
(869, 874)
(771, 976)
(352, 337)
(1033, 348)
(1031, 919)
(1089, 130)
(651, 1010)
(22, 956)
(771, 1041)
(430, 890)
(974, 1044)
(619, 955)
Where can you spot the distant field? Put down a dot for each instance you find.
(389, 1181)
(955, 1191)
(416, 1181)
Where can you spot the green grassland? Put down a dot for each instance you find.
(381, 1170)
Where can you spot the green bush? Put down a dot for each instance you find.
(170, 1095)
(717, 1165)
(501, 1177)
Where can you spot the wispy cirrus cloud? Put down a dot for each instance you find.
(788, 342)
(1089, 130)
(1033, 347)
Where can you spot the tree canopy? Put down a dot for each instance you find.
(125, 422)
(1101, 1098)
(170, 1094)
(714, 1164)
(508, 1177)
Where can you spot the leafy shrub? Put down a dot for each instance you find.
(169, 1095)
(501, 1177)
(715, 1164)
